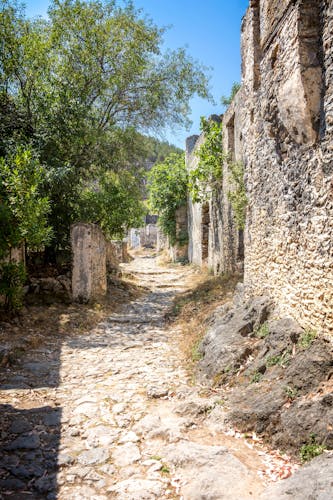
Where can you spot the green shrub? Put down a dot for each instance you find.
(281, 359)
(167, 184)
(206, 178)
(306, 339)
(12, 278)
(311, 449)
(262, 331)
(256, 377)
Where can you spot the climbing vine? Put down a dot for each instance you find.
(206, 177)
(237, 196)
(167, 183)
(227, 100)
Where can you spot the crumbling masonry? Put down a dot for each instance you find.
(280, 125)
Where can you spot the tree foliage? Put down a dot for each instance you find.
(227, 100)
(158, 150)
(167, 183)
(23, 218)
(206, 177)
(82, 86)
(23, 215)
(105, 201)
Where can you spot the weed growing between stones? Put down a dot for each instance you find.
(281, 360)
(165, 469)
(196, 354)
(291, 392)
(262, 332)
(307, 338)
(311, 449)
(256, 377)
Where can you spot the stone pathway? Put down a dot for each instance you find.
(111, 414)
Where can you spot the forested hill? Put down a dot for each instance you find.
(158, 150)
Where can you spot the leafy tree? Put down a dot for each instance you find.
(23, 218)
(112, 202)
(225, 100)
(24, 211)
(207, 176)
(82, 86)
(12, 278)
(167, 183)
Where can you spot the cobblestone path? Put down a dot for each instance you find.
(111, 414)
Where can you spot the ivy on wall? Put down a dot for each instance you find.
(169, 182)
(206, 177)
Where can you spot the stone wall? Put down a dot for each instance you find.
(280, 125)
(134, 238)
(179, 251)
(162, 241)
(145, 236)
(89, 262)
(193, 143)
(214, 239)
(148, 236)
(287, 132)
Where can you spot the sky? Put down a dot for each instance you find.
(210, 29)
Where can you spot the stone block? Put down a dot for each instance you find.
(89, 262)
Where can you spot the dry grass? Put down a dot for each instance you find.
(193, 310)
(38, 324)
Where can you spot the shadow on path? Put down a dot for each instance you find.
(30, 430)
(30, 420)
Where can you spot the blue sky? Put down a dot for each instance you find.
(211, 32)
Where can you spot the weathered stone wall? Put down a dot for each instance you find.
(148, 236)
(194, 209)
(134, 238)
(162, 240)
(145, 236)
(89, 262)
(179, 251)
(287, 133)
(214, 238)
(280, 125)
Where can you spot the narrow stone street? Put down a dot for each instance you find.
(112, 414)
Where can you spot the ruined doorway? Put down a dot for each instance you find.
(240, 250)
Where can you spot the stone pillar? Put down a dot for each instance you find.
(162, 240)
(112, 256)
(89, 262)
(134, 238)
(179, 251)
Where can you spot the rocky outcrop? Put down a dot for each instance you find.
(228, 342)
(277, 375)
(314, 480)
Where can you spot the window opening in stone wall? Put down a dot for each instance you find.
(274, 56)
(205, 221)
(231, 137)
(240, 251)
(257, 53)
(310, 53)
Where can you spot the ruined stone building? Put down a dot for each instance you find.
(280, 125)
